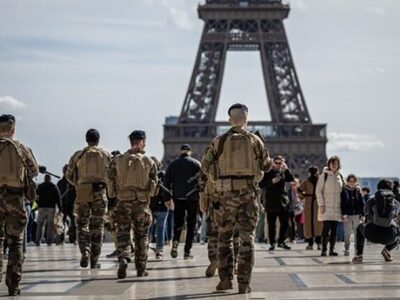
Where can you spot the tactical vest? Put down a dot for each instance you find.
(237, 156)
(133, 171)
(92, 166)
(12, 169)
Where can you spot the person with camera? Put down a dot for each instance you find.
(277, 201)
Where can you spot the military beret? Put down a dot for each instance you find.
(137, 135)
(238, 106)
(7, 118)
(186, 147)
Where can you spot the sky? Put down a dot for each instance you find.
(67, 66)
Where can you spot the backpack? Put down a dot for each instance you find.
(12, 169)
(92, 165)
(384, 209)
(237, 155)
(133, 171)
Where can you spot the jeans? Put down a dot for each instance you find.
(329, 234)
(350, 227)
(160, 221)
(203, 228)
(46, 216)
(387, 236)
(188, 208)
(28, 212)
(284, 223)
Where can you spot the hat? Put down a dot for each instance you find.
(186, 147)
(7, 118)
(238, 106)
(137, 135)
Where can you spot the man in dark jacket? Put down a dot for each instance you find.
(277, 201)
(48, 198)
(381, 223)
(68, 195)
(182, 178)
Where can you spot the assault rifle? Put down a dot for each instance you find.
(43, 170)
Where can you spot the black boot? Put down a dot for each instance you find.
(324, 250)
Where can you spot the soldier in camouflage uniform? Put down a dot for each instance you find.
(133, 180)
(235, 162)
(209, 198)
(87, 171)
(16, 163)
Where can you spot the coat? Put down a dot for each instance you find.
(312, 227)
(328, 194)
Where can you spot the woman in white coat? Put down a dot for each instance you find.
(329, 187)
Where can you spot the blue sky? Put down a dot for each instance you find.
(66, 66)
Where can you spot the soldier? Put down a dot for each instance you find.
(208, 199)
(16, 164)
(133, 180)
(235, 162)
(87, 171)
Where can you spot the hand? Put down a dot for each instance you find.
(362, 219)
(345, 218)
(284, 166)
(276, 179)
(322, 209)
(262, 209)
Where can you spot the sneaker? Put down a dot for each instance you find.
(212, 267)
(159, 255)
(14, 292)
(187, 255)
(309, 247)
(224, 285)
(284, 246)
(174, 250)
(84, 260)
(272, 247)
(112, 254)
(244, 289)
(333, 253)
(358, 259)
(346, 252)
(123, 265)
(386, 255)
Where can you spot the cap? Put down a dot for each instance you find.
(7, 118)
(238, 106)
(186, 147)
(137, 135)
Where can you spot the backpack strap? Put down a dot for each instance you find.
(221, 144)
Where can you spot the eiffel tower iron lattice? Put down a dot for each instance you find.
(247, 25)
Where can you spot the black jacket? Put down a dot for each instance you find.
(48, 195)
(157, 202)
(182, 178)
(67, 192)
(352, 202)
(274, 192)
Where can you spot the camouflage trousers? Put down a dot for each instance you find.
(90, 225)
(136, 215)
(12, 220)
(212, 237)
(240, 209)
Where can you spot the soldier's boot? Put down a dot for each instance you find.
(210, 271)
(142, 273)
(174, 250)
(244, 288)
(84, 260)
(224, 285)
(95, 265)
(123, 265)
(12, 291)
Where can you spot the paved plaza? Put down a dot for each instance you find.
(54, 273)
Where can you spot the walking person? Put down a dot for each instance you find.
(17, 165)
(48, 199)
(87, 173)
(235, 162)
(352, 206)
(312, 227)
(181, 178)
(329, 187)
(277, 201)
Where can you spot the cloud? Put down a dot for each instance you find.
(299, 4)
(8, 102)
(349, 142)
(376, 10)
(374, 71)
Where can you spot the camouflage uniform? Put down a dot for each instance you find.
(236, 206)
(132, 212)
(90, 207)
(13, 220)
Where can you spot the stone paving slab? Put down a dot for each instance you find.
(54, 273)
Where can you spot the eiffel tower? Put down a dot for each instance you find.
(247, 25)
